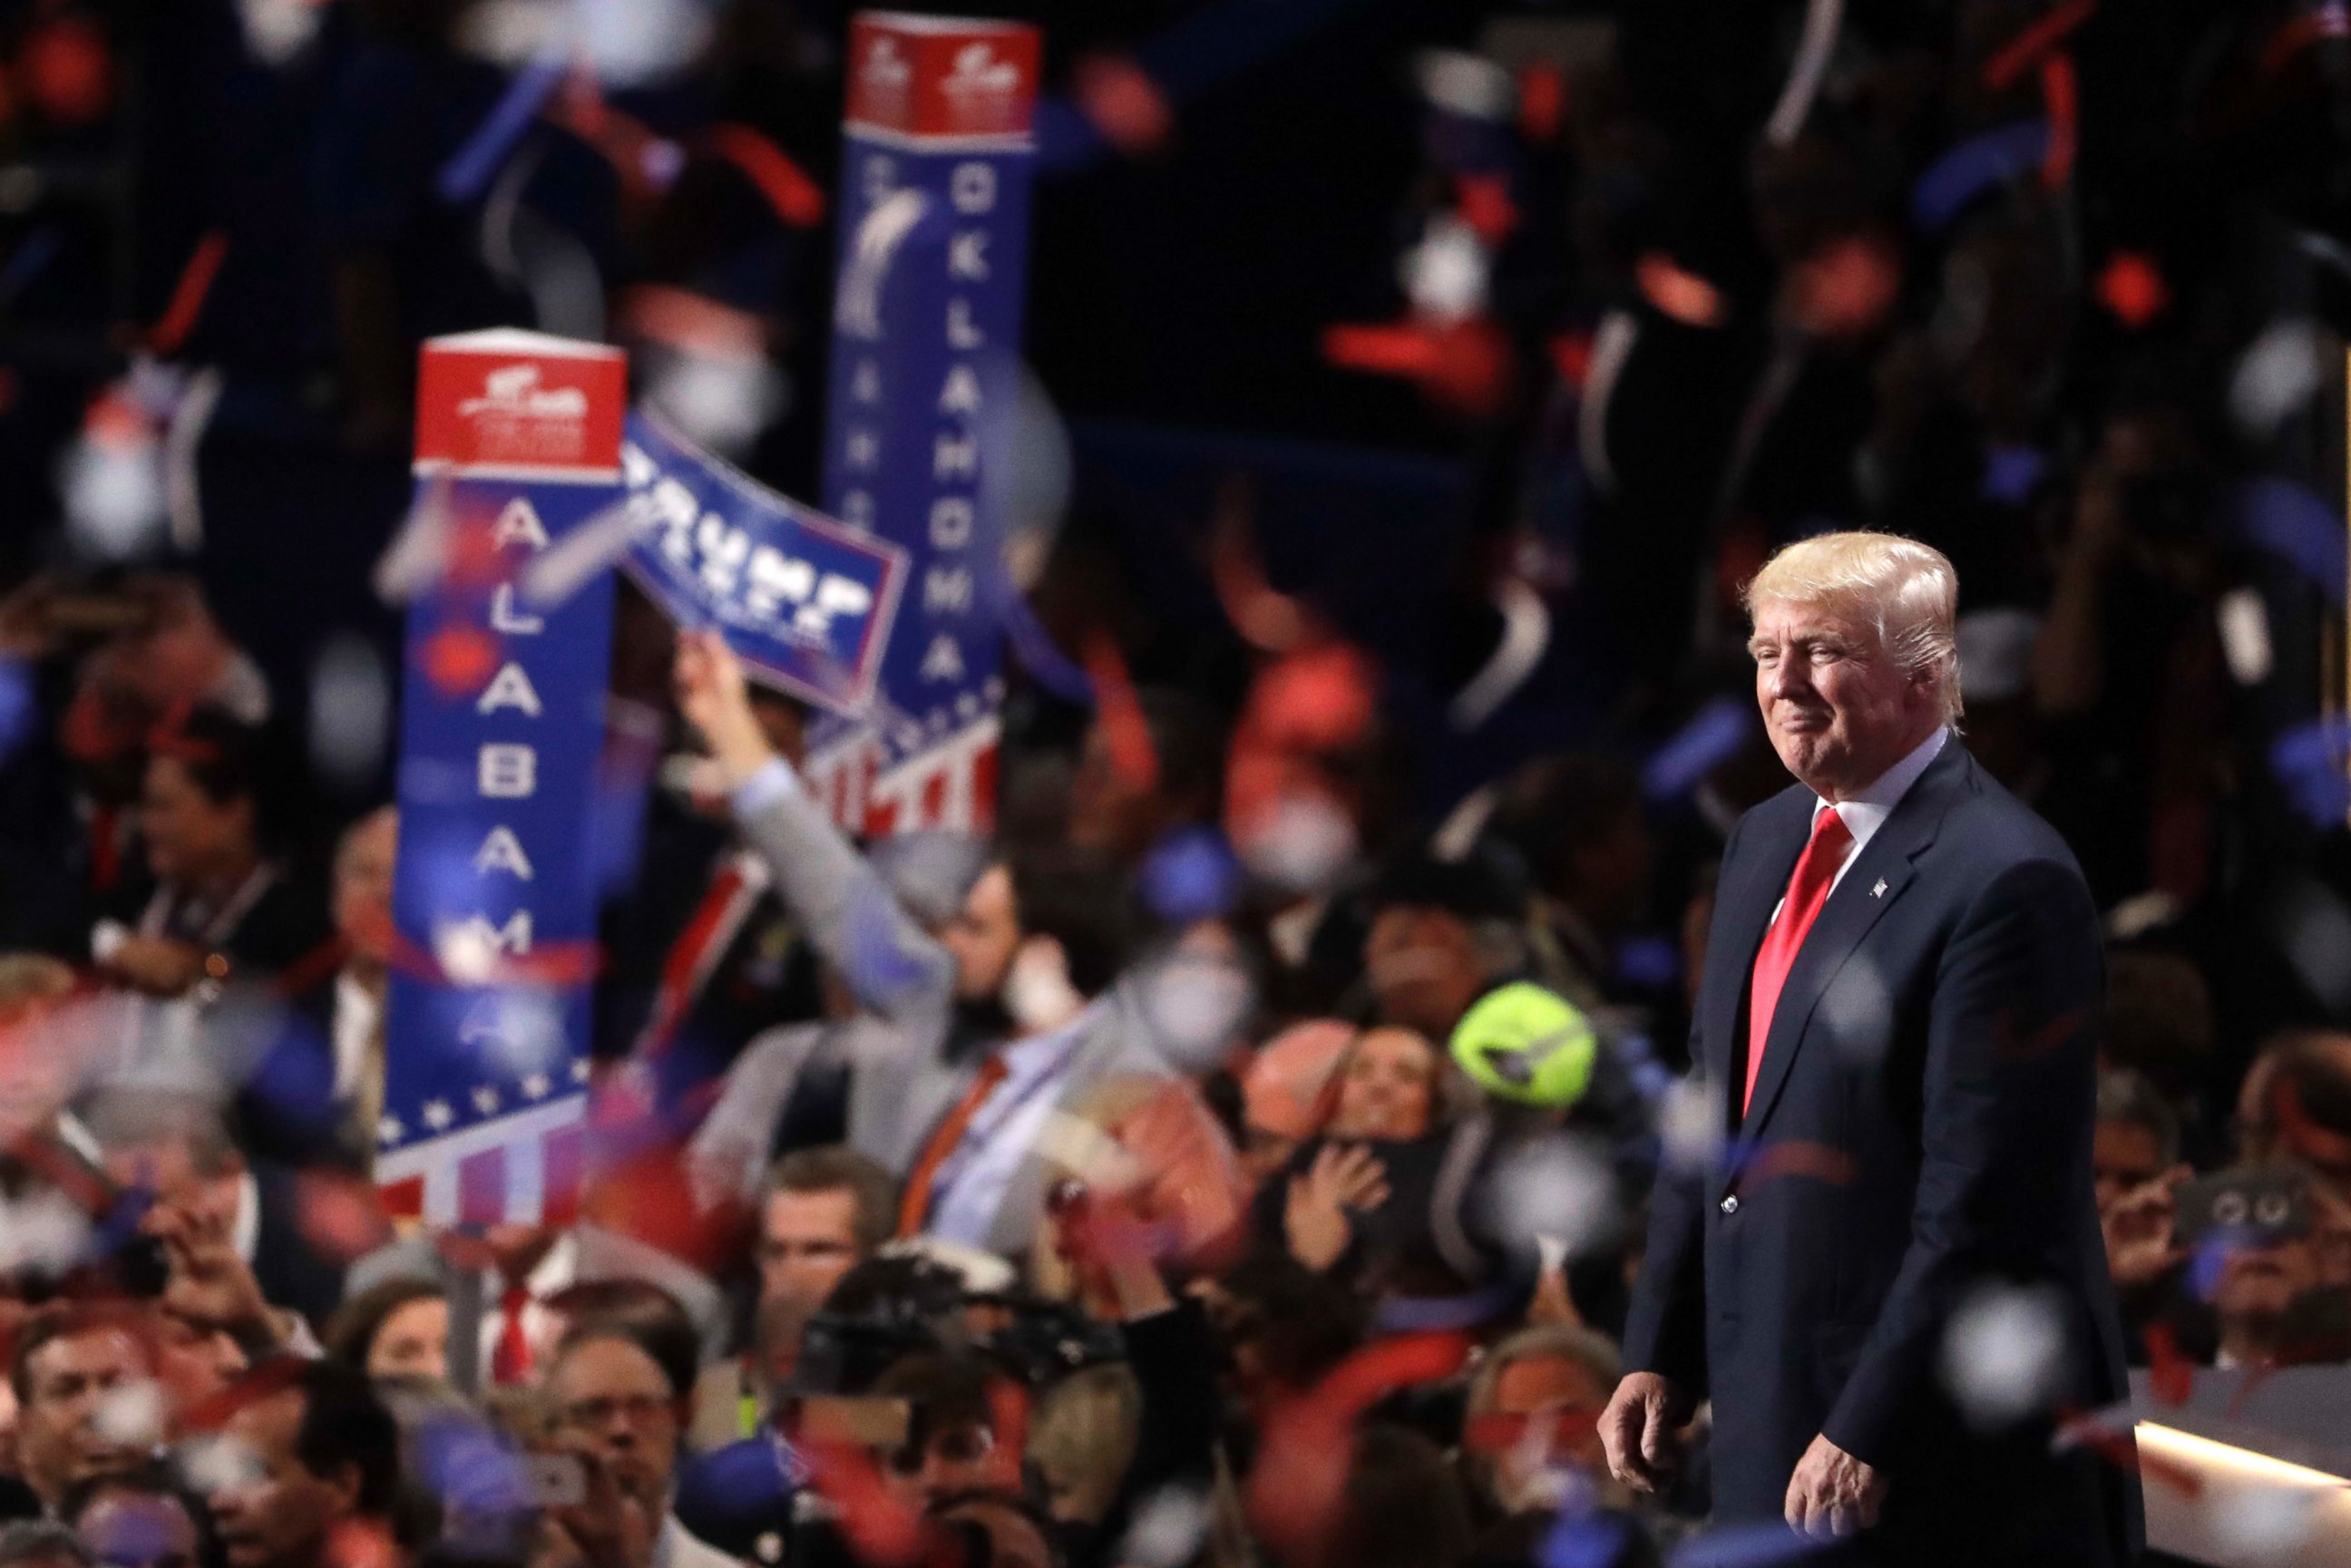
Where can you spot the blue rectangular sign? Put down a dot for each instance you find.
(806, 603)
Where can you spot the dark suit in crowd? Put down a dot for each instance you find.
(1919, 1134)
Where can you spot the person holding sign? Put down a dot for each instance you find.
(977, 1040)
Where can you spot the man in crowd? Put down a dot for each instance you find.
(233, 1227)
(76, 1372)
(1902, 988)
(354, 1022)
(2134, 1154)
(826, 1210)
(313, 1472)
(969, 1044)
(621, 1408)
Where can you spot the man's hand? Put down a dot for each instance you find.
(712, 695)
(1641, 1431)
(607, 1529)
(207, 1283)
(2142, 1246)
(158, 966)
(1832, 1494)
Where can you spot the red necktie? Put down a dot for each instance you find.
(914, 1208)
(510, 1358)
(1808, 889)
(683, 969)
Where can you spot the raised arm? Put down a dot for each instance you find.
(892, 965)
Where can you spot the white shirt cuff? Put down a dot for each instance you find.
(775, 779)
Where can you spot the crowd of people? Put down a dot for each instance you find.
(1240, 1153)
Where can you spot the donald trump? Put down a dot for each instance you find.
(1892, 1285)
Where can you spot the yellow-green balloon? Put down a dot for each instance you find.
(1522, 1042)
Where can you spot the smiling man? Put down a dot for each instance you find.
(1898, 1030)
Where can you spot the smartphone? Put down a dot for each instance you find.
(865, 1420)
(555, 1480)
(2262, 1207)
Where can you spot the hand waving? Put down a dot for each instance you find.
(1315, 1217)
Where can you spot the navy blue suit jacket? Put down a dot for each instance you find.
(1920, 1132)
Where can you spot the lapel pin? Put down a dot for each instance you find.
(1879, 890)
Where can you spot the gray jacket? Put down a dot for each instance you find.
(906, 1074)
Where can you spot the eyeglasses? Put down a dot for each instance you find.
(641, 1409)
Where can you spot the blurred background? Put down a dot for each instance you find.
(1411, 386)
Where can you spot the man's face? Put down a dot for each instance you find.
(277, 1513)
(193, 1362)
(808, 1240)
(1561, 1396)
(1839, 709)
(188, 834)
(612, 1398)
(363, 888)
(983, 937)
(60, 1431)
(2262, 1283)
(1423, 968)
(2125, 1157)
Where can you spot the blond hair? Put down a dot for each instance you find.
(1907, 590)
(1087, 1429)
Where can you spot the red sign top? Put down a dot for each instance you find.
(521, 403)
(941, 76)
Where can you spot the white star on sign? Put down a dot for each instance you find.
(967, 704)
(535, 1085)
(580, 1070)
(437, 1115)
(485, 1100)
(388, 1130)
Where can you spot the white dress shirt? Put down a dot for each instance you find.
(558, 1271)
(357, 1015)
(970, 1185)
(1866, 811)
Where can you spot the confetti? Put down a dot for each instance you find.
(1680, 295)
(351, 710)
(2133, 289)
(131, 1414)
(1168, 1529)
(1558, 1187)
(2003, 1352)
(2279, 371)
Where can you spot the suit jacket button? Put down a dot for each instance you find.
(1731, 1204)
